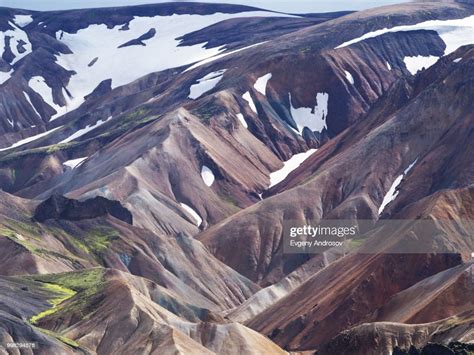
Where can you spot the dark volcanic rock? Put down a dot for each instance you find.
(139, 41)
(60, 207)
(103, 88)
(436, 349)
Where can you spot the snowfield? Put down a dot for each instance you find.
(219, 56)
(207, 176)
(454, 33)
(242, 120)
(39, 85)
(98, 41)
(392, 193)
(205, 84)
(30, 139)
(290, 165)
(313, 118)
(17, 37)
(74, 163)
(4, 76)
(31, 103)
(349, 77)
(85, 130)
(23, 20)
(261, 83)
(416, 64)
(197, 218)
(247, 97)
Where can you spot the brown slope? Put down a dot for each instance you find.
(349, 291)
(383, 337)
(180, 264)
(437, 297)
(314, 72)
(120, 313)
(349, 177)
(19, 301)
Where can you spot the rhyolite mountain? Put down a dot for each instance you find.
(150, 155)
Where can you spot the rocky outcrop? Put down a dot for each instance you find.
(59, 207)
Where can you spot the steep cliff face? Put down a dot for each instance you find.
(59, 207)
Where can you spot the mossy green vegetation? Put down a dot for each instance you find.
(61, 294)
(61, 338)
(78, 281)
(78, 285)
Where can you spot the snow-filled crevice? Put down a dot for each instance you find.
(196, 217)
(261, 83)
(205, 84)
(290, 165)
(313, 118)
(207, 176)
(392, 193)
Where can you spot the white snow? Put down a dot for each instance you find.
(205, 84)
(31, 104)
(457, 60)
(294, 162)
(160, 53)
(247, 97)
(30, 139)
(4, 76)
(261, 83)
(207, 176)
(39, 85)
(349, 77)
(219, 56)
(313, 118)
(10, 122)
(16, 36)
(242, 120)
(23, 20)
(85, 130)
(389, 67)
(193, 213)
(392, 193)
(416, 64)
(454, 33)
(74, 163)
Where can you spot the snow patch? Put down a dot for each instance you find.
(290, 165)
(99, 41)
(197, 218)
(393, 192)
(247, 97)
(23, 20)
(457, 60)
(10, 122)
(4, 76)
(207, 176)
(17, 37)
(74, 163)
(349, 77)
(31, 104)
(85, 130)
(416, 64)
(389, 67)
(205, 84)
(30, 139)
(39, 85)
(454, 33)
(313, 118)
(261, 83)
(242, 120)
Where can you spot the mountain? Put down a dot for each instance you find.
(152, 156)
